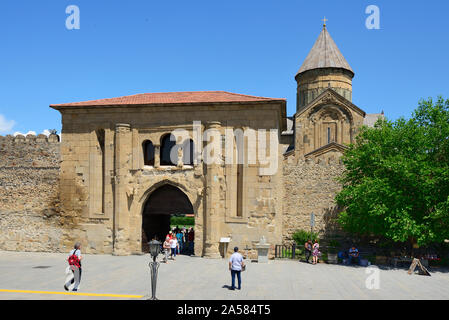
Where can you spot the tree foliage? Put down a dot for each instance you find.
(302, 236)
(182, 221)
(396, 182)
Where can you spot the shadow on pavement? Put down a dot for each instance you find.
(227, 287)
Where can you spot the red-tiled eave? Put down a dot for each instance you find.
(168, 98)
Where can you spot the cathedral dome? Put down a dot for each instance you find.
(325, 54)
(324, 68)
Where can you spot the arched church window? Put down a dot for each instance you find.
(188, 152)
(148, 153)
(168, 158)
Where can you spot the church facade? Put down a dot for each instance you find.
(124, 170)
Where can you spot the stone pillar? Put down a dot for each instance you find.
(339, 133)
(180, 163)
(315, 135)
(341, 129)
(109, 173)
(157, 155)
(213, 216)
(123, 161)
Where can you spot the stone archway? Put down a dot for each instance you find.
(160, 205)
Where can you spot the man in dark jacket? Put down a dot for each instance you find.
(308, 250)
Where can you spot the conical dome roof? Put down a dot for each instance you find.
(324, 54)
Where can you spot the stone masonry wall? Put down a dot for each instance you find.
(30, 219)
(310, 186)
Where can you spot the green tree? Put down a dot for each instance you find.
(396, 182)
(302, 236)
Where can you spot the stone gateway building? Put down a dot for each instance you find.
(124, 170)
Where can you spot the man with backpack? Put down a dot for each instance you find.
(75, 265)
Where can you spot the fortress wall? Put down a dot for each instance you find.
(30, 219)
(311, 186)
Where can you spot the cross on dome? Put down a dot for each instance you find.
(324, 22)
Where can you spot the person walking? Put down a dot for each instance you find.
(236, 265)
(173, 246)
(179, 238)
(75, 266)
(308, 250)
(169, 234)
(315, 252)
(191, 238)
(184, 240)
(166, 247)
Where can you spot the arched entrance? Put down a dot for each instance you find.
(162, 203)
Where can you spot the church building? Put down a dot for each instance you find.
(124, 172)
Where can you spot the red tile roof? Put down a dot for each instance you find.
(171, 98)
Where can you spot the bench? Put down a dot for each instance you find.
(397, 260)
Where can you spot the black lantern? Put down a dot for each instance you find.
(155, 249)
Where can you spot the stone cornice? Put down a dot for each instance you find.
(329, 147)
(329, 96)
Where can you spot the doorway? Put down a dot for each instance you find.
(161, 205)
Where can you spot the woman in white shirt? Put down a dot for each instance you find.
(174, 247)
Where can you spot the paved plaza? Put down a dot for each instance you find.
(194, 278)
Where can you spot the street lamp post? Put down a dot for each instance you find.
(155, 247)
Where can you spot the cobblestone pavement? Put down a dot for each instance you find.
(194, 278)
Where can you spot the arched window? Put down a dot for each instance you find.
(188, 149)
(148, 153)
(167, 144)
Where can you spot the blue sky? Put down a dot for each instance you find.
(243, 46)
